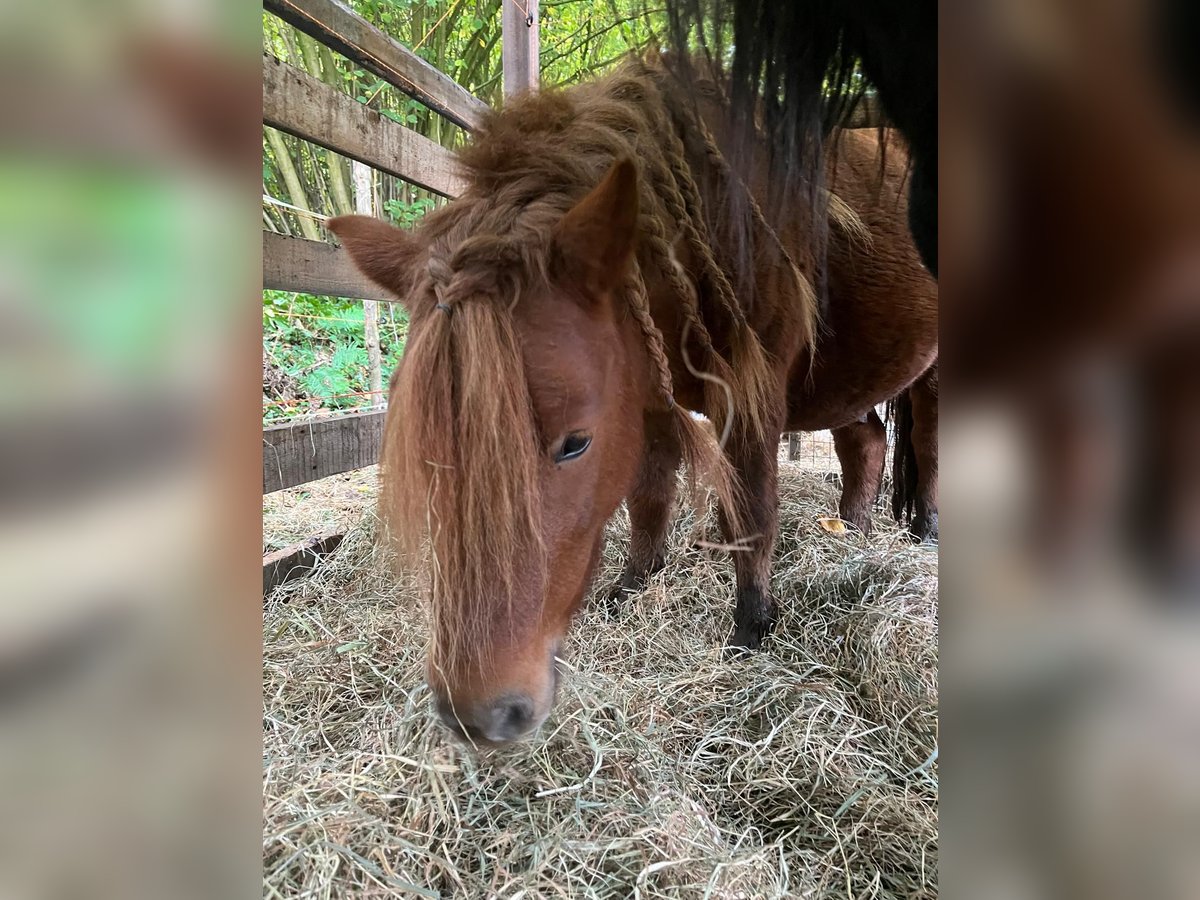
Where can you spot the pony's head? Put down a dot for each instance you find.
(515, 429)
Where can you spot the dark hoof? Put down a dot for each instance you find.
(629, 584)
(859, 519)
(925, 530)
(753, 619)
(747, 639)
(862, 526)
(616, 597)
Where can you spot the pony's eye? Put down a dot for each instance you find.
(573, 445)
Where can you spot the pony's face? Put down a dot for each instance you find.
(585, 374)
(520, 526)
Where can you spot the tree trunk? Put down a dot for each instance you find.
(291, 180)
(364, 204)
(337, 165)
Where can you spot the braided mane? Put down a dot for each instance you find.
(461, 454)
(547, 150)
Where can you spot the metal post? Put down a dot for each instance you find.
(519, 46)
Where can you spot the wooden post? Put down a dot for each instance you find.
(519, 45)
(364, 204)
(793, 445)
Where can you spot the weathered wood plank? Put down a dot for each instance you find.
(295, 102)
(298, 454)
(296, 264)
(519, 47)
(298, 559)
(343, 30)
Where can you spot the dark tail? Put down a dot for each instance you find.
(904, 458)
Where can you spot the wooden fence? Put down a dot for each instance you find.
(303, 106)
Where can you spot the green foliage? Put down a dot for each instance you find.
(406, 215)
(314, 353)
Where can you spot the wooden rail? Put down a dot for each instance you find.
(343, 30)
(296, 454)
(297, 560)
(295, 102)
(296, 264)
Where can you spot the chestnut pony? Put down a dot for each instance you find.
(566, 312)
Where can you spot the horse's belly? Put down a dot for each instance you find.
(848, 380)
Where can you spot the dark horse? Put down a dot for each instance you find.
(567, 311)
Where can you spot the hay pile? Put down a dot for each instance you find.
(335, 503)
(807, 771)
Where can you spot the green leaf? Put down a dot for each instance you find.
(349, 358)
(326, 382)
(348, 321)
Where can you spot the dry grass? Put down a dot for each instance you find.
(336, 502)
(807, 771)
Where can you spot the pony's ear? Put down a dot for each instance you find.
(383, 253)
(596, 239)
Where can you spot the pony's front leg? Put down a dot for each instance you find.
(650, 506)
(756, 468)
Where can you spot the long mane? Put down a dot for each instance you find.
(460, 463)
(461, 453)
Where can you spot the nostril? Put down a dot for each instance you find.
(511, 718)
(504, 719)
